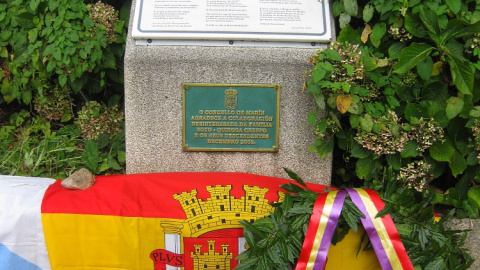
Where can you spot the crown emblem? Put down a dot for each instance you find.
(230, 99)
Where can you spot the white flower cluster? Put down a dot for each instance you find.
(350, 56)
(384, 142)
(426, 133)
(106, 15)
(416, 175)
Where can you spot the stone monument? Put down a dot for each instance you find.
(217, 86)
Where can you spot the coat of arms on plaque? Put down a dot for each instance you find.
(230, 99)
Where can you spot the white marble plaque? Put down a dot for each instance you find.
(251, 20)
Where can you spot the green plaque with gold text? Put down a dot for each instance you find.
(230, 117)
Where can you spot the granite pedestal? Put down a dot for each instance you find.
(153, 108)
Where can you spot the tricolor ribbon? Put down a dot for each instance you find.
(382, 232)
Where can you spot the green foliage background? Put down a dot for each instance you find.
(398, 101)
(275, 242)
(56, 57)
(402, 98)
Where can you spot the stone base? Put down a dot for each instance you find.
(153, 108)
(473, 239)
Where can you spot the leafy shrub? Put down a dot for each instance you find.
(105, 155)
(400, 91)
(275, 242)
(54, 57)
(50, 43)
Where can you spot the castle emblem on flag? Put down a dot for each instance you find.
(230, 99)
(211, 259)
(211, 236)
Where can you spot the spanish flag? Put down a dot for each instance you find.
(173, 221)
(156, 221)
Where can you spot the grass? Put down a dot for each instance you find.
(56, 156)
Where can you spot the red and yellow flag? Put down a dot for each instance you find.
(156, 221)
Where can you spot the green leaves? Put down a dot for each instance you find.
(49, 40)
(415, 26)
(32, 35)
(457, 164)
(275, 241)
(62, 80)
(462, 75)
(412, 56)
(34, 4)
(295, 177)
(453, 5)
(430, 21)
(351, 7)
(425, 68)
(53, 5)
(436, 264)
(432, 48)
(366, 122)
(368, 12)
(410, 150)
(454, 106)
(88, 23)
(25, 20)
(442, 151)
(365, 167)
(378, 32)
(474, 194)
(91, 154)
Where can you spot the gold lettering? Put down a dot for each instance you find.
(232, 127)
(260, 124)
(257, 112)
(219, 112)
(223, 130)
(214, 124)
(255, 130)
(206, 118)
(222, 141)
(215, 135)
(246, 136)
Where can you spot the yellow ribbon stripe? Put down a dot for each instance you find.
(381, 230)
(321, 228)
